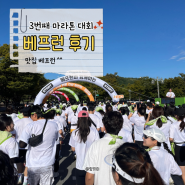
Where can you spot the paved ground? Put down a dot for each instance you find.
(67, 166)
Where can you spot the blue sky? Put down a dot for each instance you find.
(141, 37)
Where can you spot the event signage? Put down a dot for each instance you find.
(57, 40)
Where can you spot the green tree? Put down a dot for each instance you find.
(15, 85)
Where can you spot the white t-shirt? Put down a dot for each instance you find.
(164, 164)
(10, 147)
(127, 137)
(148, 111)
(63, 114)
(69, 110)
(15, 119)
(170, 94)
(139, 123)
(176, 134)
(61, 120)
(44, 154)
(98, 122)
(73, 119)
(60, 127)
(19, 127)
(82, 148)
(115, 108)
(98, 114)
(95, 158)
(127, 124)
(172, 119)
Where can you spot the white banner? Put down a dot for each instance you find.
(57, 40)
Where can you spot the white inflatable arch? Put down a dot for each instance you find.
(45, 91)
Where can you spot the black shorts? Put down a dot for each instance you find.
(22, 153)
(180, 155)
(56, 164)
(80, 177)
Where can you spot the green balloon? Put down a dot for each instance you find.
(70, 91)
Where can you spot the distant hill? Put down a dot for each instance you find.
(126, 81)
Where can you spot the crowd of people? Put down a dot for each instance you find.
(112, 143)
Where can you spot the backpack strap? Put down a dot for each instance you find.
(92, 122)
(44, 126)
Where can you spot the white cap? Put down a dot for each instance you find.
(64, 104)
(45, 105)
(156, 134)
(157, 102)
(148, 100)
(45, 108)
(111, 161)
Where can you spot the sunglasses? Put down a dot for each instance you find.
(146, 137)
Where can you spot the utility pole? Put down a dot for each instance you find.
(158, 88)
(95, 93)
(158, 80)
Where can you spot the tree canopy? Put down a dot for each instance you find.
(15, 85)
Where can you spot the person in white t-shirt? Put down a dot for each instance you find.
(73, 117)
(177, 135)
(138, 120)
(8, 143)
(68, 111)
(158, 120)
(50, 114)
(62, 125)
(170, 94)
(64, 112)
(163, 160)
(95, 119)
(19, 127)
(127, 124)
(40, 159)
(131, 165)
(149, 107)
(80, 141)
(97, 171)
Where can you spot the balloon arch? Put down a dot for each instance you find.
(45, 92)
(61, 93)
(56, 96)
(71, 92)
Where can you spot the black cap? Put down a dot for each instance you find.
(180, 112)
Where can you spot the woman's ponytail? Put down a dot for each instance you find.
(159, 123)
(152, 176)
(182, 125)
(136, 162)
